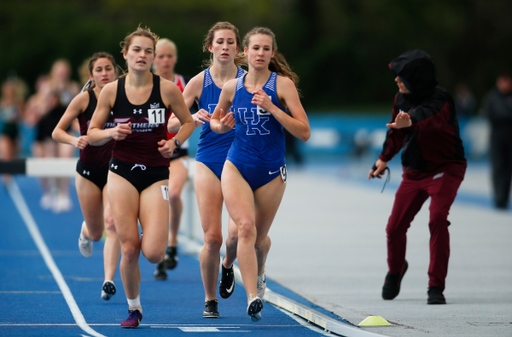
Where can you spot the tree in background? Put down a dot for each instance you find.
(340, 49)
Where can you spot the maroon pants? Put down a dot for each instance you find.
(410, 196)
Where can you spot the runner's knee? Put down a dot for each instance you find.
(246, 231)
(154, 256)
(130, 252)
(109, 223)
(212, 241)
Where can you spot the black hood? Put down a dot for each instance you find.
(417, 71)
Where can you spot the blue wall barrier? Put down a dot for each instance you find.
(338, 136)
(359, 134)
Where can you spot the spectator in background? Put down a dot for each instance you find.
(56, 94)
(11, 110)
(65, 89)
(37, 103)
(36, 107)
(497, 108)
(464, 101)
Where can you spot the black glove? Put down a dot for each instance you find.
(374, 168)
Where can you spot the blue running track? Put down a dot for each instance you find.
(47, 288)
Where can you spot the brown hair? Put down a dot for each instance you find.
(208, 42)
(278, 63)
(90, 66)
(101, 55)
(145, 32)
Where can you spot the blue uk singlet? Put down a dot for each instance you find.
(212, 147)
(259, 137)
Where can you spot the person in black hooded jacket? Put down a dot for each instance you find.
(425, 127)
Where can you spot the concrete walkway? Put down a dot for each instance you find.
(328, 245)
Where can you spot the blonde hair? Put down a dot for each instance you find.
(83, 71)
(278, 63)
(19, 87)
(164, 42)
(58, 62)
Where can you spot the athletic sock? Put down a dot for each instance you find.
(135, 303)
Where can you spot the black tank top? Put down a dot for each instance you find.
(93, 156)
(149, 126)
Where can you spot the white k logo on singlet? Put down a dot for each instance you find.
(254, 121)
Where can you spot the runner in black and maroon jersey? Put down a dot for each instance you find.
(139, 168)
(92, 169)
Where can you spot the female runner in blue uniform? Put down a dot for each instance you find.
(223, 42)
(92, 170)
(139, 169)
(254, 175)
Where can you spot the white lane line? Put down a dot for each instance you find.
(308, 315)
(24, 211)
(154, 325)
(222, 329)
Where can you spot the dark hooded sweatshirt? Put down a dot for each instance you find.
(432, 143)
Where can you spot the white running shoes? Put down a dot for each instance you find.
(254, 309)
(85, 244)
(108, 290)
(261, 285)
